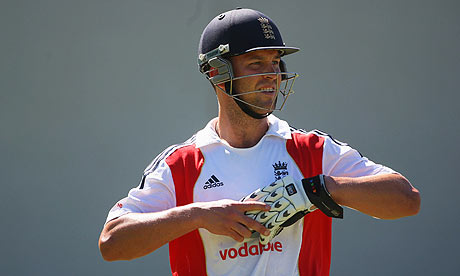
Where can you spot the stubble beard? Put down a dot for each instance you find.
(259, 103)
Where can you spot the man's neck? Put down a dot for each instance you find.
(241, 131)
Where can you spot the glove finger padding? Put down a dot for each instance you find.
(273, 233)
(289, 201)
(284, 201)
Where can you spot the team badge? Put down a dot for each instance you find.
(266, 28)
(280, 170)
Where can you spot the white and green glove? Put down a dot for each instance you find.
(290, 200)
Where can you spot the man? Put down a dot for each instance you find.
(190, 196)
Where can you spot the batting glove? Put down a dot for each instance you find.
(290, 201)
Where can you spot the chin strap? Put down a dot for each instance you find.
(250, 112)
(245, 107)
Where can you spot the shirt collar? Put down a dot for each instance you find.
(208, 135)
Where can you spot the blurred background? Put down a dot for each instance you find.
(92, 91)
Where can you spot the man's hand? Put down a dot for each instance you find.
(227, 217)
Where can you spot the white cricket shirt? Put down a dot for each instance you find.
(205, 168)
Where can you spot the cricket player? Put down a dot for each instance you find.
(250, 194)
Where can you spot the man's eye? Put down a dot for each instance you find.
(276, 62)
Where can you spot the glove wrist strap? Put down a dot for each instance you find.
(317, 193)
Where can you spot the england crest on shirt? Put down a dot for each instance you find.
(280, 170)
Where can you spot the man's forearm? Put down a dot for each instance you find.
(388, 196)
(137, 234)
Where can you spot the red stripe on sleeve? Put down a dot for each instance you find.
(315, 251)
(186, 253)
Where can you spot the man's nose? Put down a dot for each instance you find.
(271, 71)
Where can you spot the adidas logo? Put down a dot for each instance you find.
(212, 183)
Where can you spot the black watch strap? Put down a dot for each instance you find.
(317, 193)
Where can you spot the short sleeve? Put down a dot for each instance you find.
(155, 193)
(339, 159)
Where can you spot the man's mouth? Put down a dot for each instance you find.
(267, 90)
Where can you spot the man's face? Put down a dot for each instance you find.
(257, 62)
